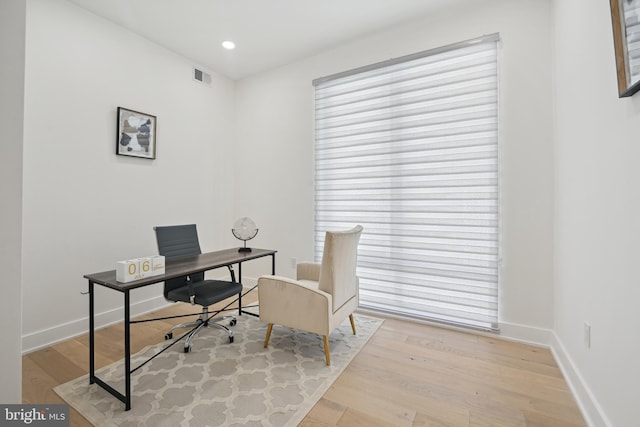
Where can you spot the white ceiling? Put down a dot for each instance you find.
(268, 33)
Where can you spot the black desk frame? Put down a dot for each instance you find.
(174, 268)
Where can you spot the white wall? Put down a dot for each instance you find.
(597, 218)
(275, 140)
(86, 208)
(12, 41)
(80, 216)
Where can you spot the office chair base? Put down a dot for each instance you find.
(192, 334)
(197, 325)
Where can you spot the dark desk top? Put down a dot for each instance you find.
(177, 267)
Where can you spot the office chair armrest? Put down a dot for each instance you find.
(192, 292)
(291, 303)
(232, 273)
(308, 271)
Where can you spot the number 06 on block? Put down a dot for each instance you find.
(139, 268)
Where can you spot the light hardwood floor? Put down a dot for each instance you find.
(407, 375)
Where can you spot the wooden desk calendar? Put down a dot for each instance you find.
(139, 268)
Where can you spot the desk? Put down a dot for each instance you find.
(174, 268)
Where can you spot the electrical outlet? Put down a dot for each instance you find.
(294, 262)
(587, 334)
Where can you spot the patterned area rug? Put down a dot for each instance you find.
(221, 383)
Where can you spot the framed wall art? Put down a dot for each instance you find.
(625, 17)
(136, 134)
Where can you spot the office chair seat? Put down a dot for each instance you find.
(207, 292)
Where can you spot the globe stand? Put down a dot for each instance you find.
(244, 229)
(244, 248)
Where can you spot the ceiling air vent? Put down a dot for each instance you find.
(201, 76)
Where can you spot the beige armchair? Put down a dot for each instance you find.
(323, 294)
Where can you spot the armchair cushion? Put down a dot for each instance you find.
(293, 303)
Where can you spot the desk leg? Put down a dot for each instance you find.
(127, 351)
(92, 346)
(273, 264)
(240, 296)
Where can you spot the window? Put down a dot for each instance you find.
(409, 149)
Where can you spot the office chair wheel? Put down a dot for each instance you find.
(233, 322)
(231, 339)
(187, 349)
(168, 336)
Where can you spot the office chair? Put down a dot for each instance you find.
(181, 241)
(323, 295)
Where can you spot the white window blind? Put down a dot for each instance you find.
(409, 149)
(631, 13)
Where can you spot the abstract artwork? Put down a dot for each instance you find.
(136, 134)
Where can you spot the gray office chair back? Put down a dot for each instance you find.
(178, 241)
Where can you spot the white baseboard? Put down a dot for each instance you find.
(249, 282)
(47, 337)
(55, 334)
(525, 334)
(508, 331)
(591, 410)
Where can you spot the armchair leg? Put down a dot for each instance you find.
(353, 325)
(266, 340)
(326, 350)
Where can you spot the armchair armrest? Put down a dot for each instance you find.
(308, 271)
(288, 302)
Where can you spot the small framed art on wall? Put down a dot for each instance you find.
(136, 134)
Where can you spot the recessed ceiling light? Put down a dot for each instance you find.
(228, 44)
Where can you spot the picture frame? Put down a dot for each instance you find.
(136, 134)
(625, 18)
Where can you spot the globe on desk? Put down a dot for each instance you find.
(244, 229)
